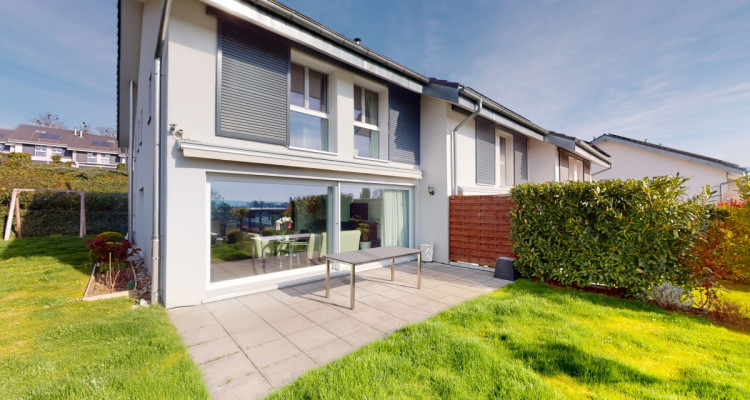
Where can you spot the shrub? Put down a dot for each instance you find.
(68, 164)
(121, 167)
(235, 236)
(669, 296)
(113, 236)
(15, 159)
(56, 159)
(730, 313)
(633, 234)
(268, 232)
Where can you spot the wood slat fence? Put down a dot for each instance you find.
(480, 229)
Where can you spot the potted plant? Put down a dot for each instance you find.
(364, 229)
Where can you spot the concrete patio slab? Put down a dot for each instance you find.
(250, 345)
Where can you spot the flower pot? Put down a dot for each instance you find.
(365, 245)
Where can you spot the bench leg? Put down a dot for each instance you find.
(328, 278)
(351, 284)
(393, 268)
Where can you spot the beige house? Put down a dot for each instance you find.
(638, 159)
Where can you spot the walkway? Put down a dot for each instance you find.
(249, 346)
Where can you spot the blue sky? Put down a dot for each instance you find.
(674, 72)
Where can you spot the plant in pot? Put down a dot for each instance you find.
(364, 229)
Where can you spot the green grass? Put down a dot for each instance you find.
(532, 341)
(221, 252)
(53, 345)
(738, 293)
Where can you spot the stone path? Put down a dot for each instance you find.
(248, 346)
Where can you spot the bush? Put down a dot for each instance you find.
(102, 246)
(116, 237)
(121, 167)
(56, 159)
(669, 296)
(633, 234)
(68, 164)
(15, 159)
(730, 313)
(268, 232)
(235, 236)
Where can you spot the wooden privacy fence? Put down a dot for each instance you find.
(480, 229)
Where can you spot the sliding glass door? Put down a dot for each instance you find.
(262, 227)
(373, 216)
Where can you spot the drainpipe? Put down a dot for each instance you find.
(156, 228)
(129, 162)
(477, 110)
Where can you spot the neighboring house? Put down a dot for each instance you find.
(81, 150)
(638, 159)
(238, 113)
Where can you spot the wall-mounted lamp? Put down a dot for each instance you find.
(431, 190)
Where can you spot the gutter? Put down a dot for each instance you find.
(477, 110)
(156, 227)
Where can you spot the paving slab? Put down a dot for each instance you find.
(250, 345)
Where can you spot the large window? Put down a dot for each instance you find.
(366, 131)
(259, 227)
(373, 217)
(40, 151)
(91, 157)
(308, 104)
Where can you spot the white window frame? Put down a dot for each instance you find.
(381, 127)
(360, 123)
(306, 102)
(92, 155)
(57, 151)
(38, 149)
(507, 175)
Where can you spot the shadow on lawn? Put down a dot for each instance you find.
(69, 250)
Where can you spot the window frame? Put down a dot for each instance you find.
(90, 155)
(39, 148)
(326, 137)
(57, 151)
(360, 123)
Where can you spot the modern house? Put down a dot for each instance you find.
(262, 140)
(638, 159)
(81, 150)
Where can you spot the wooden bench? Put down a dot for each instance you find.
(354, 258)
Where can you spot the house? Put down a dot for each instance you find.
(81, 150)
(237, 115)
(638, 159)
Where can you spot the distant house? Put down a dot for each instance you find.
(81, 150)
(237, 113)
(638, 159)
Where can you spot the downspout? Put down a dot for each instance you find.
(156, 228)
(477, 110)
(129, 162)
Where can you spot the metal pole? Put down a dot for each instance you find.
(328, 278)
(10, 214)
(351, 284)
(419, 270)
(393, 268)
(82, 227)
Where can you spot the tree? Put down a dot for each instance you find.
(106, 131)
(48, 120)
(84, 128)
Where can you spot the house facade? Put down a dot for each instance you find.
(74, 146)
(262, 140)
(636, 159)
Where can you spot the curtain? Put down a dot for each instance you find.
(395, 218)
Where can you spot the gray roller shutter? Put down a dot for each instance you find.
(253, 81)
(586, 171)
(403, 121)
(485, 152)
(520, 159)
(564, 166)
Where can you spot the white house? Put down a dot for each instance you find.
(637, 159)
(238, 113)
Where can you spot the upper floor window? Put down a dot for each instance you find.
(40, 151)
(91, 157)
(308, 105)
(366, 131)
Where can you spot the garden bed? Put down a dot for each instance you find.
(133, 281)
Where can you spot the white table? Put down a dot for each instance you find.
(355, 258)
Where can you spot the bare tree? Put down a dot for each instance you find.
(105, 131)
(84, 128)
(48, 120)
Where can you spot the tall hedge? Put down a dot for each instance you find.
(48, 213)
(626, 234)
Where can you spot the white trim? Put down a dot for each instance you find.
(328, 153)
(380, 160)
(308, 111)
(366, 126)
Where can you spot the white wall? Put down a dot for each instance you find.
(635, 163)
(543, 161)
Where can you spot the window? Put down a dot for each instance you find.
(57, 151)
(40, 151)
(366, 131)
(373, 216)
(262, 227)
(308, 105)
(91, 157)
(573, 168)
(502, 158)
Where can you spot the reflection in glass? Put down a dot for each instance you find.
(259, 228)
(366, 142)
(308, 131)
(381, 217)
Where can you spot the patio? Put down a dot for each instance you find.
(248, 346)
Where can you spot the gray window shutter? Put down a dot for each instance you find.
(403, 121)
(520, 159)
(586, 171)
(252, 85)
(485, 151)
(564, 166)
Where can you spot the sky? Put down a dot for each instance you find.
(672, 72)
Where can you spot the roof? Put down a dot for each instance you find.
(685, 155)
(39, 135)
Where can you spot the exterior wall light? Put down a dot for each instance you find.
(431, 190)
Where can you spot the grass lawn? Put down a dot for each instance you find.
(532, 341)
(53, 345)
(738, 293)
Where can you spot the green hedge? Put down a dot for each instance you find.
(48, 213)
(627, 234)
